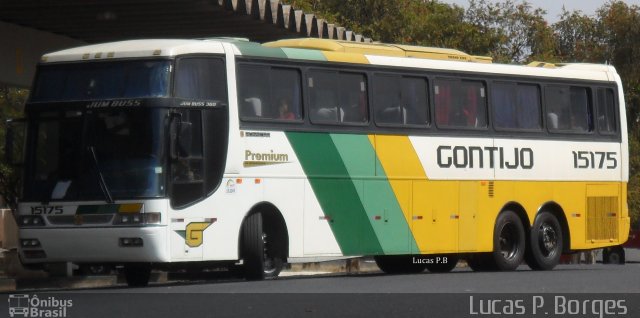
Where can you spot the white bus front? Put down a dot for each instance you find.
(113, 146)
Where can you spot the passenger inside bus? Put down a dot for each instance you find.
(284, 109)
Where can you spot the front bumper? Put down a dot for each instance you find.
(95, 245)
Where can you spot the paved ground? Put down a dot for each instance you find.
(456, 294)
(596, 278)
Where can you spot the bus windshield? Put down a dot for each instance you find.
(75, 150)
(102, 80)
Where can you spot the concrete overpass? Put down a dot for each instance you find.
(29, 28)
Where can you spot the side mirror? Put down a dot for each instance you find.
(14, 142)
(181, 137)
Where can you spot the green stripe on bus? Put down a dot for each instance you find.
(302, 54)
(255, 49)
(336, 193)
(380, 203)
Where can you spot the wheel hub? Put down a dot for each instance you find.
(548, 239)
(508, 241)
(269, 266)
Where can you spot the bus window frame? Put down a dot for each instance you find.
(488, 124)
(492, 109)
(428, 93)
(303, 115)
(432, 130)
(367, 80)
(591, 106)
(616, 114)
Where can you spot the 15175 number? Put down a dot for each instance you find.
(39, 210)
(594, 160)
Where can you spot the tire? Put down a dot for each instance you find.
(443, 263)
(137, 275)
(261, 259)
(509, 243)
(545, 242)
(398, 264)
(613, 255)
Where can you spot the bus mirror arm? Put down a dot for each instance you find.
(174, 126)
(181, 137)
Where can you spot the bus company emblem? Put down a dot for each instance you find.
(195, 233)
(253, 159)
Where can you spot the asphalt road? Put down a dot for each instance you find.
(596, 278)
(568, 290)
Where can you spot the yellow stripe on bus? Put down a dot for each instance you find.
(130, 208)
(402, 167)
(346, 57)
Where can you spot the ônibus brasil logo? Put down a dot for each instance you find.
(23, 305)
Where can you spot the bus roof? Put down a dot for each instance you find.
(134, 49)
(334, 51)
(380, 49)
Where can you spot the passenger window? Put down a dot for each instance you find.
(337, 97)
(269, 93)
(516, 106)
(400, 100)
(606, 111)
(568, 109)
(460, 103)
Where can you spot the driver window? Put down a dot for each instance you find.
(187, 169)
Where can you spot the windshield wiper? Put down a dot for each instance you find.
(103, 184)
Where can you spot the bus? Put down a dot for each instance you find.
(148, 154)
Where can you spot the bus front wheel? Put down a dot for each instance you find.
(260, 257)
(545, 242)
(613, 255)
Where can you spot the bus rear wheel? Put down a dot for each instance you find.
(509, 243)
(613, 255)
(545, 242)
(137, 275)
(399, 264)
(260, 258)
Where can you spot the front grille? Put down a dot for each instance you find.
(80, 219)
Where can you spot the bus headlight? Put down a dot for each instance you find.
(30, 243)
(137, 218)
(30, 220)
(152, 218)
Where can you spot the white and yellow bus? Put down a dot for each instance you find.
(169, 153)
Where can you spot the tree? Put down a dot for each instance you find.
(11, 106)
(513, 32)
(579, 38)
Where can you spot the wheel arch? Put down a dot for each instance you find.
(273, 223)
(556, 210)
(519, 210)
